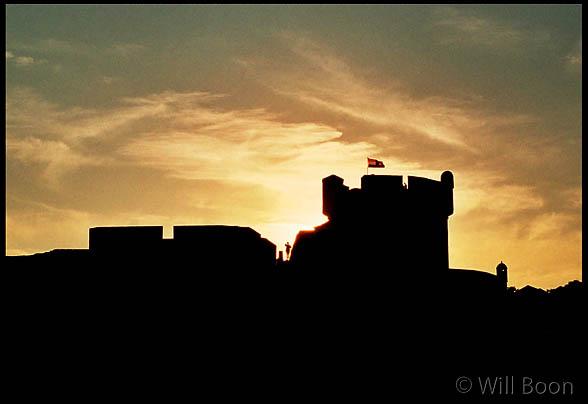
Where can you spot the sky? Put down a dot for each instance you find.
(232, 114)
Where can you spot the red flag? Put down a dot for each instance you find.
(375, 163)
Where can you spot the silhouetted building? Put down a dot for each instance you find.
(205, 247)
(392, 233)
(468, 285)
(381, 226)
(375, 276)
(385, 239)
(224, 246)
(125, 240)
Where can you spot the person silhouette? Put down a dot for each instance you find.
(288, 246)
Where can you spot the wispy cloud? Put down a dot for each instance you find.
(462, 27)
(201, 142)
(187, 137)
(329, 83)
(318, 78)
(57, 157)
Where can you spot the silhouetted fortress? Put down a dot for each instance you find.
(376, 274)
(386, 234)
(390, 230)
(374, 281)
(392, 224)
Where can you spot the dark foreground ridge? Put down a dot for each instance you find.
(368, 290)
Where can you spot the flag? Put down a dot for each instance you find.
(375, 163)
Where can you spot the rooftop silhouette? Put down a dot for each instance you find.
(208, 247)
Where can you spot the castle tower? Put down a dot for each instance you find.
(334, 193)
(502, 273)
(382, 225)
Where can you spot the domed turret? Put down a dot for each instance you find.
(448, 185)
(501, 273)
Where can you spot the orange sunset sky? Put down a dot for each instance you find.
(232, 114)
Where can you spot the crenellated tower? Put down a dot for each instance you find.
(385, 223)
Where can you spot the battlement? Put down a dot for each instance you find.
(386, 195)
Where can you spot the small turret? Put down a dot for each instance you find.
(502, 273)
(448, 183)
(334, 193)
